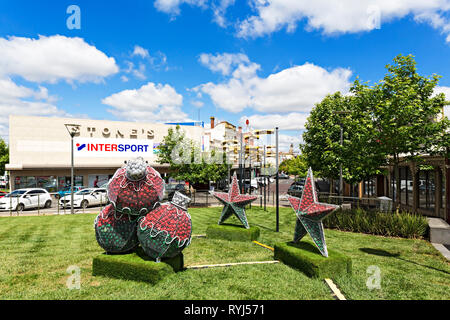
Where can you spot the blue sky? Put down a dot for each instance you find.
(164, 60)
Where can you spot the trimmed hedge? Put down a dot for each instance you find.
(305, 257)
(396, 224)
(232, 232)
(135, 266)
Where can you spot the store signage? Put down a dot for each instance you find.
(105, 148)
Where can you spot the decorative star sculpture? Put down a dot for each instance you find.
(234, 202)
(310, 213)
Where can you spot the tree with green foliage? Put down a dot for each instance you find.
(406, 116)
(296, 166)
(359, 154)
(4, 156)
(187, 162)
(399, 117)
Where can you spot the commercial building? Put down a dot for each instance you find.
(40, 149)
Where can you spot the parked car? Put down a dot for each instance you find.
(295, 190)
(283, 176)
(2, 194)
(66, 191)
(172, 188)
(263, 181)
(22, 199)
(85, 198)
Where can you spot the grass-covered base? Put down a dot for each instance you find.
(135, 266)
(306, 258)
(232, 232)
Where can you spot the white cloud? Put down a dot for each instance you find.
(52, 59)
(219, 11)
(141, 52)
(153, 103)
(173, 6)
(197, 103)
(289, 121)
(296, 88)
(222, 63)
(330, 16)
(20, 100)
(285, 141)
(446, 92)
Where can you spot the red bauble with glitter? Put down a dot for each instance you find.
(166, 231)
(135, 188)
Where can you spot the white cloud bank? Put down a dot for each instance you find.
(46, 59)
(295, 89)
(151, 102)
(54, 58)
(329, 16)
(344, 16)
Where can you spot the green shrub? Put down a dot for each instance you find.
(232, 232)
(305, 257)
(135, 266)
(396, 224)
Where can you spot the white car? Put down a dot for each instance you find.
(22, 199)
(85, 198)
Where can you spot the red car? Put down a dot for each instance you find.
(2, 194)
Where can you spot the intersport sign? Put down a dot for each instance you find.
(107, 148)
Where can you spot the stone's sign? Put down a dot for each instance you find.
(116, 133)
(106, 148)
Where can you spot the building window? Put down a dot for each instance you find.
(369, 187)
(392, 191)
(427, 189)
(406, 186)
(443, 182)
(48, 183)
(24, 182)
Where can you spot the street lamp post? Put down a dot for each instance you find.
(276, 187)
(73, 130)
(341, 180)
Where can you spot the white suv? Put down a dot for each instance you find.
(21, 199)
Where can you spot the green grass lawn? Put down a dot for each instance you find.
(35, 253)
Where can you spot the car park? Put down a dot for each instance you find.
(29, 198)
(85, 198)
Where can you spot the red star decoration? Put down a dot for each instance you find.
(310, 213)
(234, 202)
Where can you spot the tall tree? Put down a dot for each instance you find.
(359, 153)
(406, 115)
(296, 166)
(187, 162)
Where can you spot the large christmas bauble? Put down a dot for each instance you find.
(116, 232)
(135, 188)
(166, 231)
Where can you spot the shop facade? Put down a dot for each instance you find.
(40, 149)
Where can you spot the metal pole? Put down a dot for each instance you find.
(240, 162)
(243, 165)
(265, 177)
(341, 180)
(71, 177)
(277, 186)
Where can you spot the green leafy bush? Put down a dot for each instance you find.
(396, 224)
